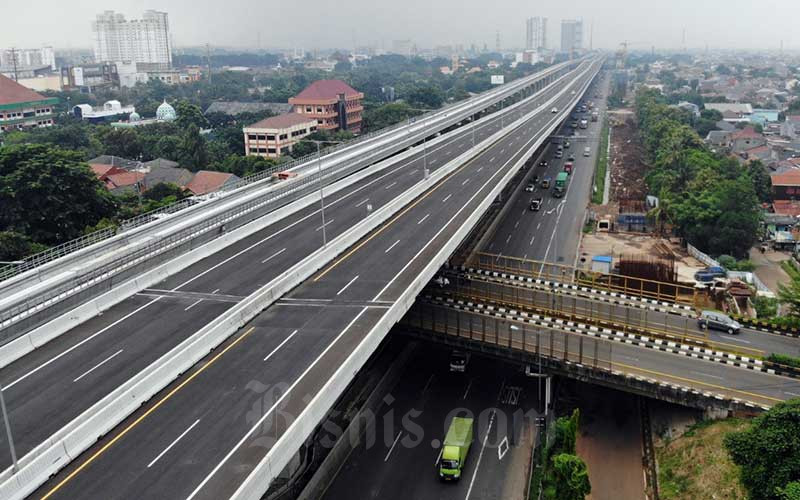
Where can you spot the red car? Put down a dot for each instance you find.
(568, 167)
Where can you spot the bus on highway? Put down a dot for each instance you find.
(561, 184)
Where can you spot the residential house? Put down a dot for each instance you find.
(744, 139)
(234, 108)
(732, 112)
(160, 172)
(115, 161)
(207, 181)
(788, 208)
(124, 182)
(718, 138)
(786, 185)
(763, 153)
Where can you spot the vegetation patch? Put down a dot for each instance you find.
(697, 465)
(601, 167)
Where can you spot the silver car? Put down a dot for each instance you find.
(718, 321)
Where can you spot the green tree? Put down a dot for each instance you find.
(192, 152)
(49, 194)
(571, 477)
(379, 117)
(123, 142)
(190, 114)
(789, 294)
(17, 246)
(768, 452)
(790, 492)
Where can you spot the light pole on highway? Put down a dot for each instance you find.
(321, 184)
(8, 431)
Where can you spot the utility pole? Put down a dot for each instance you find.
(14, 63)
(208, 61)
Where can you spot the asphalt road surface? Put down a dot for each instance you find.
(202, 439)
(57, 382)
(399, 459)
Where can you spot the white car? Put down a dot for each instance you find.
(530, 187)
(554, 110)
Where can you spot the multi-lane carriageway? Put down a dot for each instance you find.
(299, 343)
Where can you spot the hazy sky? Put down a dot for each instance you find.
(336, 23)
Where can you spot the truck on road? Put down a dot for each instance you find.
(455, 448)
(561, 184)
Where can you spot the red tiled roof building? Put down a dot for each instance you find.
(21, 107)
(334, 104)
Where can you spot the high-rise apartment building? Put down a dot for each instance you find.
(571, 35)
(536, 33)
(144, 40)
(28, 58)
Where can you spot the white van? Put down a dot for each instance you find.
(587, 151)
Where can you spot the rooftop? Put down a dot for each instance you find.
(327, 89)
(789, 208)
(207, 181)
(234, 108)
(788, 178)
(12, 92)
(283, 121)
(733, 107)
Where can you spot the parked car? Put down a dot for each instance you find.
(536, 204)
(710, 273)
(587, 151)
(571, 157)
(546, 183)
(718, 321)
(559, 154)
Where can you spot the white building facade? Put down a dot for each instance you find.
(143, 40)
(536, 33)
(571, 35)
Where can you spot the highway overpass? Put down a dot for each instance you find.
(308, 345)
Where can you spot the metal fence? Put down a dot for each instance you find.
(66, 248)
(656, 290)
(515, 336)
(745, 276)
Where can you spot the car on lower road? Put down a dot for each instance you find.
(543, 163)
(718, 321)
(536, 204)
(566, 144)
(546, 183)
(459, 361)
(530, 187)
(571, 157)
(559, 154)
(554, 110)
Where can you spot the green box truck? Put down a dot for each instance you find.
(455, 448)
(561, 184)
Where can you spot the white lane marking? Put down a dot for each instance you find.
(525, 256)
(393, 445)
(413, 171)
(362, 202)
(347, 285)
(707, 375)
(439, 456)
(479, 169)
(738, 340)
(173, 443)
(491, 159)
(791, 393)
(258, 424)
(273, 255)
(98, 365)
(193, 304)
(391, 185)
(538, 225)
(516, 225)
(215, 291)
(393, 245)
(423, 219)
(502, 448)
(327, 223)
(87, 339)
(447, 198)
(480, 456)
(465, 182)
(280, 345)
(508, 239)
(532, 238)
(427, 384)
(467, 390)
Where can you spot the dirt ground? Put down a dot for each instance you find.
(610, 442)
(768, 267)
(627, 167)
(618, 244)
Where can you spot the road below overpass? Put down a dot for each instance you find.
(54, 384)
(201, 437)
(398, 459)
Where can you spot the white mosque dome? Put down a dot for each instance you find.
(165, 112)
(134, 117)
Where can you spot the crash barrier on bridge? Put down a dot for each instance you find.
(23, 317)
(767, 326)
(279, 455)
(623, 318)
(745, 276)
(119, 287)
(572, 289)
(77, 436)
(488, 99)
(564, 358)
(656, 290)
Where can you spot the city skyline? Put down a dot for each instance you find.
(467, 23)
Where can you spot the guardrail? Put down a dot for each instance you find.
(745, 276)
(25, 315)
(256, 484)
(82, 242)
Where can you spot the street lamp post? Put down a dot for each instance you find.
(321, 184)
(8, 431)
